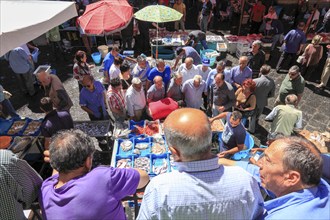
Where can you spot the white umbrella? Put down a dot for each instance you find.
(23, 21)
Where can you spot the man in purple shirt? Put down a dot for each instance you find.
(92, 99)
(240, 73)
(184, 52)
(294, 41)
(76, 191)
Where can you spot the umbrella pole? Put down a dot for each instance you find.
(157, 42)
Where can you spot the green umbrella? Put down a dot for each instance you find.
(158, 14)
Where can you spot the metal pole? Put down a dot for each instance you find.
(242, 13)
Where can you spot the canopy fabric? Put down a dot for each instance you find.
(158, 13)
(23, 21)
(105, 17)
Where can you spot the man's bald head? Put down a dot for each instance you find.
(44, 78)
(189, 132)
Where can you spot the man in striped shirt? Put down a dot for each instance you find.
(116, 100)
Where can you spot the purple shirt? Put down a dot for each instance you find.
(191, 52)
(56, 121)
(293, 40)
(96, 195)
(93, 100)
(238, 76)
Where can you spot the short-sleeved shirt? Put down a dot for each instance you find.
(141, 73)
(233, 136)
(95, 195)
(223, 95)
(180, 7)
(93, 100)
(202, 73)
(238, 76)
(187, 73)
(114, 72)
(56, 121)
(293, 40)
(109, 59)
(288, 87)
(155, 94)
(193, 95)
(175, 91)
(166, 74)
(191, 52)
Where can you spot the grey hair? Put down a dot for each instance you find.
(294, 69)
(159, 61)
(198, 78)
(141, 58)
(257, 42)
(193, 146)
(69, 150)
(236, 115)
(177, 75)
(221, 63)
(189, 59)
(291, 99)
(303, 156)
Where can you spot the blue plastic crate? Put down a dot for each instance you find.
(157, 162)
(146, 151)
(19, 132)
(212, 59)
(129, 161)
(36, 133)
(5, 125)
(121, 152)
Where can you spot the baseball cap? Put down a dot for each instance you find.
(206, 62)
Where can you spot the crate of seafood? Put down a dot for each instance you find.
(93, 128)
(148, 128)
(17, 127)
(33, 128)
(217, 126)
(148, 153)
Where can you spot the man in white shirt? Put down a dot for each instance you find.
(135, 100)
(204, 69)
(188, 69)
(114, 71)
(192, 91)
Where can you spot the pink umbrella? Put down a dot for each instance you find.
(105, 17)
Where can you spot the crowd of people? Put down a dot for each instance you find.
(284, 180)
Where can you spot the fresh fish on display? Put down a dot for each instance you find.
(158, 149)
(160, 169)
(32, 128)
(136, 151)
(93, 129)
(142, 163)
(124, 163)
(16, 127)
(141, 146)
(126, 145)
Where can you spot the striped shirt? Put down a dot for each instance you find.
(116, 99)
(19, 185)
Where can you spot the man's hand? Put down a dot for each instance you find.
(222, 154)
(46, 156)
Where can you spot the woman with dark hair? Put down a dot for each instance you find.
(125, 76)
(246, 101)
(81, 68)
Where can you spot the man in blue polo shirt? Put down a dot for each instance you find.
(108, 61)
(240, 73)
(294, 41)
(92, 99)
(161, 69)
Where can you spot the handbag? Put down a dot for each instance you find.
(301, 59)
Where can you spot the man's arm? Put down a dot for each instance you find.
(221, 115)
(234, 150)
(299, 96)
(177, 59)
(272, 114)
(298, 124)
(63, 97)
(144, 178)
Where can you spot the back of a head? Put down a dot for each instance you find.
(265, 69)
(301, 25)
(302, 156)
(189, 131)
(69, 150)
(291, 99)
(124, 67)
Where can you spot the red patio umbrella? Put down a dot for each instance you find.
(105, 17)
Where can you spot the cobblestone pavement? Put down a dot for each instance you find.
(315, 107)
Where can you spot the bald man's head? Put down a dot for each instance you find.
(189, 132)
